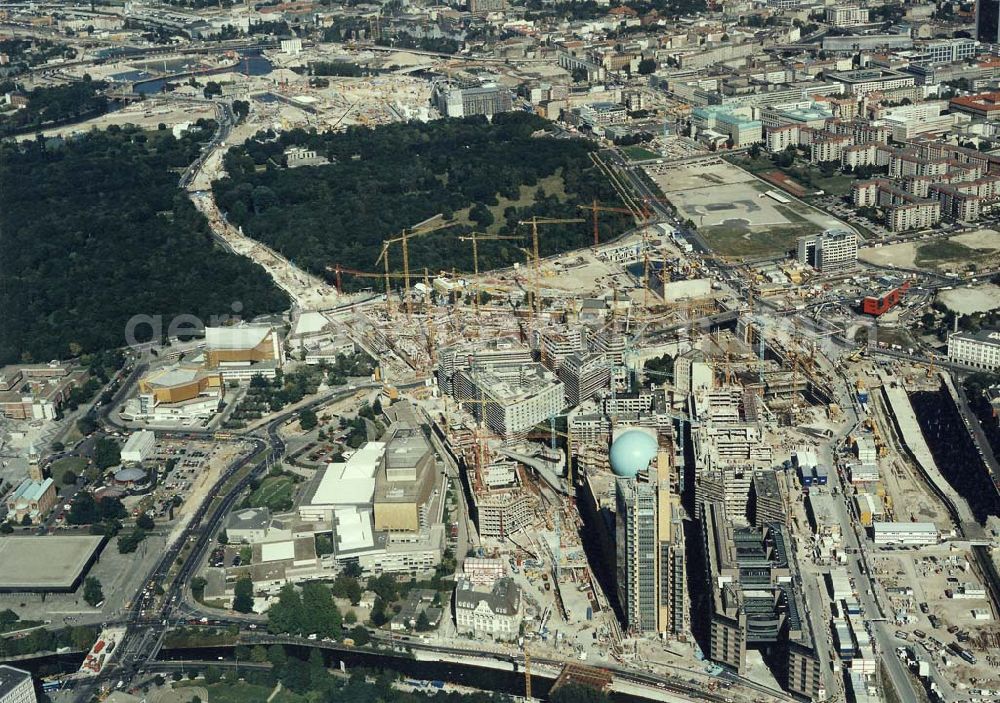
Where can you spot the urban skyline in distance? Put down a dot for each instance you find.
(601, 351)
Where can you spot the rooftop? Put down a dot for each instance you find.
(912, 527)
(867, 74)
(988, 102)
(353, 529)
(349, 483)
(276, 551)
(512, 383)
(766, 484)
(249, 519)
(130, 475)
(406, 448)
(310, 323)
(173, 376)
(239, 337)
(986, 336)
(138, 439)
(11, 678)
(30, 491)
(505, 597)
(45, 563)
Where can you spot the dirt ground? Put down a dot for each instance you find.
(972, 300)
(903, 255)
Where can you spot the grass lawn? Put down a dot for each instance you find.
(761, 163)
(945, 250)
(838, 184)
(240, 692)
(553, 185)
(70, 463)
(789, 213)
(198, 637)
(73, 436)
(286, 696)
(20, 625)
(275, 492)
(804, 173)
(812, 178)
(638, 153)
(894, 335)
(735, 239)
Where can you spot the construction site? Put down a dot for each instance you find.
(577, 391)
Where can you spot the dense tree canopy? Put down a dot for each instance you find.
(386, 179)
(55, 104)
(43, 640)
(24, 52)
(95, 231)
(243, 595)
(312, 612)
(107, 453)
(92, 592)
(85, 510)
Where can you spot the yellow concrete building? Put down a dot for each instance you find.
(177, 384)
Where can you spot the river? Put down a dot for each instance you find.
(252, 63)
(482, 678)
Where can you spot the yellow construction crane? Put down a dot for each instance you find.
(527, 674)
(423, 228)
(534, 222)
(475, 238)
(339, 271)
(428, 323)
(595, 208)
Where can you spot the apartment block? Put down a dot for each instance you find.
(829, 148)
(556, 344)
(832, 251)
(510, 398)
(922, 215)
(868, 154)
(978, 349)
(16, 686)
(583, 376)
(847, 16)
(864, 193)
(767, 499)
(781, 137)
(728, 487)
(504, 512)
(903, 210)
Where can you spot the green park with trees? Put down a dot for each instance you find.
(97, 231)
(479, 174)
(48, 105)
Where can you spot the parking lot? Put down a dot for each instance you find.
(181, 467)
(839, 207)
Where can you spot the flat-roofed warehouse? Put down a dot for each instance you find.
(46, 564)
